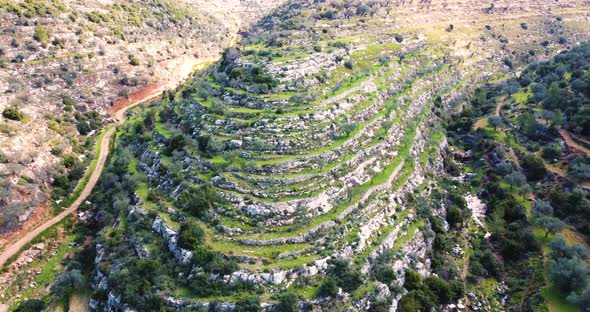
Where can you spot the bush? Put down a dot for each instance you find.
(551, 152)
(582, 300)
(413, 280)
(32, 305)
(41, 34)
(328, 288)
(534, 167)
(133, 60)
(288, 303)
(399, 38)
(385, 275)
(68, 103)
(568, 274)
(176, 143)
(66, 282)
(416, 301)
(197, 201)
(190, 235)
(345, 274)
(135, 282)
(440, 288)
(217, 107)
(250, 304)
(13, 113)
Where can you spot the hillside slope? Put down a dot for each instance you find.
(324, 163)
(306, 165)
(67, 64)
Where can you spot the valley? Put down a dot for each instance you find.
(339, 155)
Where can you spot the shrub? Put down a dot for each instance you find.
(176, 143)
(328, 288)
(190, 235)
(413, 280)
(416, 301)
(399, 38)
(385, 275)
(250, 304)
(288, 303)
(495, 121)
(197, 201)
(568, 274)
(217, 106)
(32, 305)
(66, 282)
(13, 113)
(134, 60)
(345, 274)
(41, 34)
(440, 288)
(534, 167)
(551, 152)
(68, 102)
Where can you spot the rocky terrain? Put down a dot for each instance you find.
(65, 65)
(309, 168)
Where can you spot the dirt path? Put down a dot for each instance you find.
(15, 247)
(571, 143)
(514, 157)
(562, 174)
(186, 68)
(579, 138)
(527, 291)
(499, 106)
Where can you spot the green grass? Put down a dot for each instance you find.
(556, 300)
(357, 192)
(84, 181)
(48, 266)
(163, 130)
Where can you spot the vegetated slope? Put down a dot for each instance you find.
(533, 174)
(67, 64)
(303, 167)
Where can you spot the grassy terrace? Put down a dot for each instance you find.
(352, 83)
(216, 241)
(325, 169)
(317, 152)
(338, 142)
(356, 194)
(287, 198)
(360, 128)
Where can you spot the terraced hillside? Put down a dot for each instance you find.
(305, 168)
(67, 64)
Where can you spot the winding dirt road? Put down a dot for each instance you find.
(571, 143)
(187, 67)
